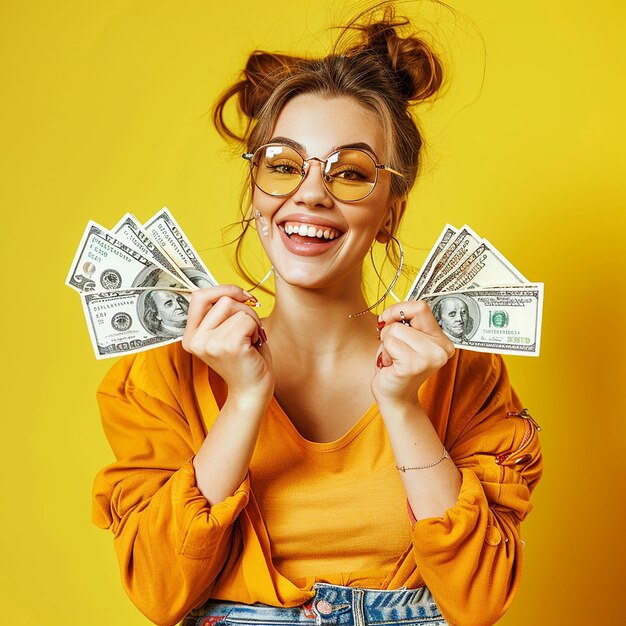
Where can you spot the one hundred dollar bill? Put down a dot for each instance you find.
(501, 320)
(433, 256)
(163, 229)
(469, 261)
(134, 320)
(461, 245)
(131, 232)
(484, 266)
(104, 263)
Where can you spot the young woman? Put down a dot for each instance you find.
(304, 468)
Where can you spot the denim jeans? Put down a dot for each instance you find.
(332, 604)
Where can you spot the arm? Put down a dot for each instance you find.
(172, 512)
(170, 542)
(466, 538)
(470, 557)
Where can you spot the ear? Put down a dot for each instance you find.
(391, 223)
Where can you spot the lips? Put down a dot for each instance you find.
(306, 235)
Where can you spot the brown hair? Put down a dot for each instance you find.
(370, 62)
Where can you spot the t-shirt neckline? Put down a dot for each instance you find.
(326, 446)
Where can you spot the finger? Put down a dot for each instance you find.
(382, 357)
(397, 351)
(203, 299)
(416, 314)
(416, 338)
(234, 336)
(223, 309)
(411, 359)
(218, 316)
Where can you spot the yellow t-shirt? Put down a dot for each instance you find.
(305, 510)
(334, 512)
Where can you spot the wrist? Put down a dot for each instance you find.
(400, 409)
(249, 403)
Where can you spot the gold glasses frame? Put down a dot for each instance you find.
(249, 156)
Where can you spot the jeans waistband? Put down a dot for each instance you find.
(332, 604)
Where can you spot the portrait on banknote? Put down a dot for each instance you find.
(163, 313)
(458, 316)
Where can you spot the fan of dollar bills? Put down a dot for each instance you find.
(135, 281)
(480, 300)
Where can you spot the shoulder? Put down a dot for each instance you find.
(159, 372)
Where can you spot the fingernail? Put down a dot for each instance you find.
(379, 361)
(380, 325)
(263, 334)
(250, 296)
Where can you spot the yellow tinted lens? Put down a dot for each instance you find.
(277, 170)
(350, 174)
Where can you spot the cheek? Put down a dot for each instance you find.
(266, 204)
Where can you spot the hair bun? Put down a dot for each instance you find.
(417, 70)
(263, 71)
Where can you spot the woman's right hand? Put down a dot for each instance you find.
(228, 336)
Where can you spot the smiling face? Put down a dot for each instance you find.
(315, 240)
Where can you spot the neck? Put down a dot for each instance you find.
(316, 323)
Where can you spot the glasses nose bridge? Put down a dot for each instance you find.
(306, 164)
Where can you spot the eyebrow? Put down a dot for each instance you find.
(360, 145)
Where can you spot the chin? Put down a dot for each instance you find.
(307, 278)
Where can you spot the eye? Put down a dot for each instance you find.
(349, 173)
(284, 166)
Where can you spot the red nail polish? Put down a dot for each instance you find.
(379, 361)
(263, 334)
(380, 325)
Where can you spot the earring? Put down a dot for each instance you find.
(265, 229)
(263, 279)
(393, 282)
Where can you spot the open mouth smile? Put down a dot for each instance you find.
(308, 239)
(311, 231)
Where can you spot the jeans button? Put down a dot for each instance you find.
(324, 607)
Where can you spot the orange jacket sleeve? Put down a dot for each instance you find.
(169, 542)
(471, 557)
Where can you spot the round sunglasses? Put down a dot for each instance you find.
(349, 174)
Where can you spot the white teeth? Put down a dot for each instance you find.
(305, 230)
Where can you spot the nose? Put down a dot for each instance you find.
(312, 192)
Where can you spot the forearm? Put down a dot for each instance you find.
(170, 546)
(223, 459)
(430, 491)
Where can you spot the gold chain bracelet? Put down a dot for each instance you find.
(403, 468)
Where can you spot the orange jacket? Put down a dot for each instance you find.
(175, 551)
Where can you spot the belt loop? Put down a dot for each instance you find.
(357, 607)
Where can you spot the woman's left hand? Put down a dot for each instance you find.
(409, 353)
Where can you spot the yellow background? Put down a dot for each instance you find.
(103, 111)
